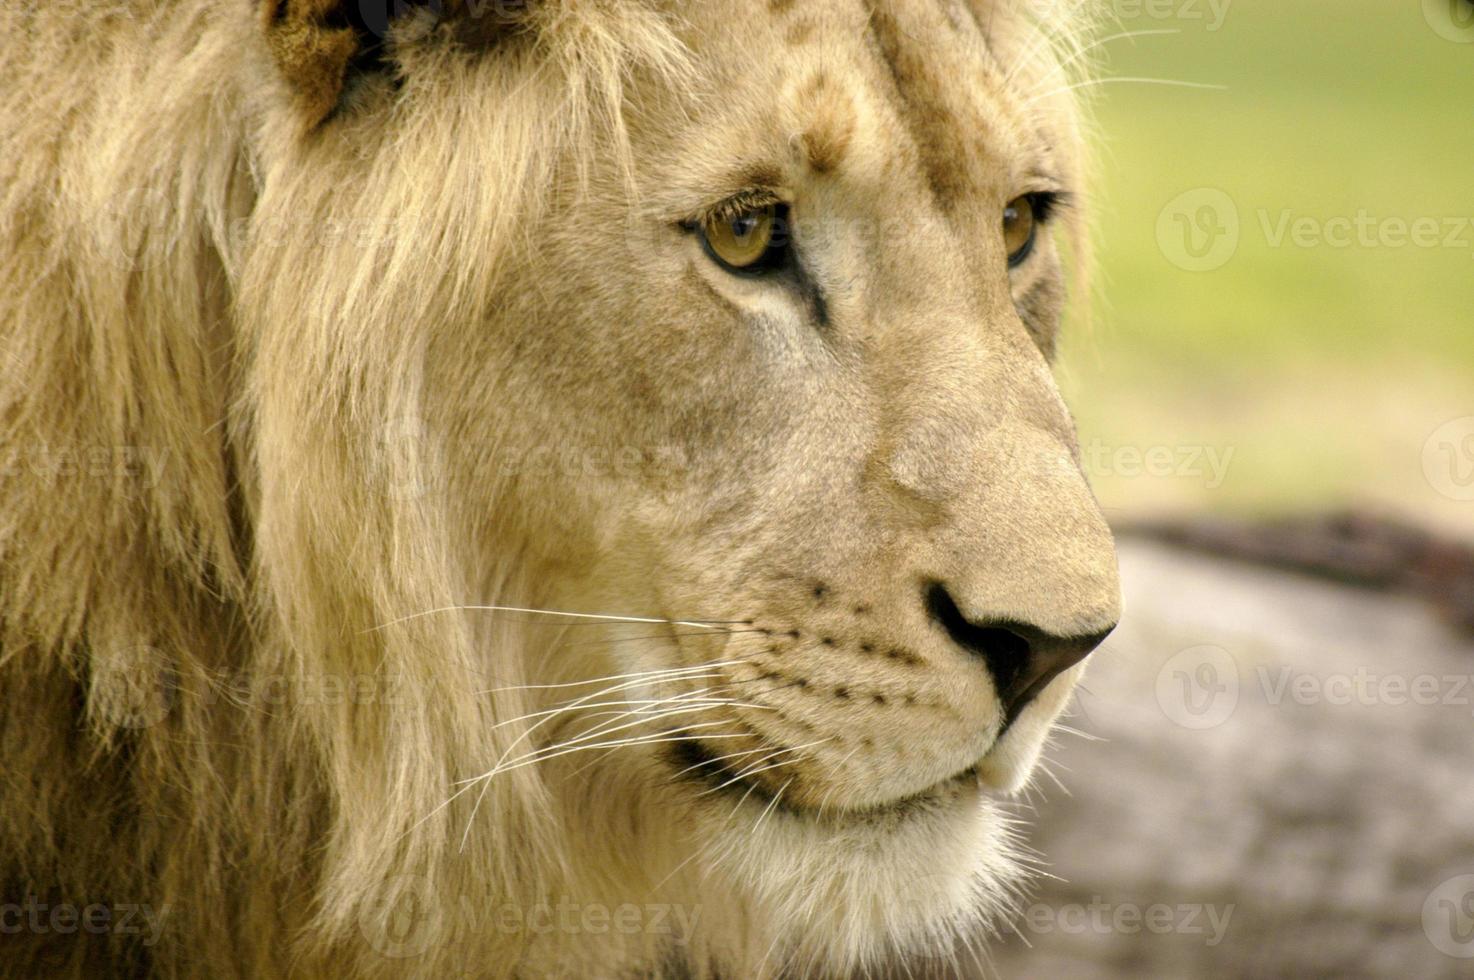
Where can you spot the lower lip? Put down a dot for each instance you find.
(691, 756)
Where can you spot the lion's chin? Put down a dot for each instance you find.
(777, 890)
(844, 891)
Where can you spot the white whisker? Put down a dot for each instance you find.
(663, 672)
(611, 641)
(635, 740)
(751, 771)
(717, 625)
(607, 730)
(533, 758)
(720, 758)
(705, 848)
(575, 704)
(1123, 80)
(1079, 53)
(758, 823)
(1044, 38)
(834, 771)
(622, 702)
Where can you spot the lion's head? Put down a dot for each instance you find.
(722, 331)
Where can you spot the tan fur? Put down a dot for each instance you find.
(309, 52)
(297, 362)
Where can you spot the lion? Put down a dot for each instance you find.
(531, 489)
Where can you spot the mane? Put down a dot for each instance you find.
(220, 494)
(183, 612)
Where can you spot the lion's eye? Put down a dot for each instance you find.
(1020, 228)
(750, 242)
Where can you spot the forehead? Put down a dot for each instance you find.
(885, 90)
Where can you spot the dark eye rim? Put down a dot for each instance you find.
(777, 258)
(1043, 204)
(1022, 253)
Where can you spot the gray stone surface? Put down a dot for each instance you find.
(1289, 758)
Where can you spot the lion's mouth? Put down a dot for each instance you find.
(695, 764)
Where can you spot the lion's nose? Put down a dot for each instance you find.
(1021, 658)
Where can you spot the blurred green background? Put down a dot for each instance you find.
(1315, 354)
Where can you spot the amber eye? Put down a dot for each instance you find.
(1020, 225)
(746, 242)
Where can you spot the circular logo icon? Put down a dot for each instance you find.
(1448, 917)
(124, 238)
(407, 459)
(134, 687)
(1452, 20)
(1198, 688)
(408, 924)
(1448, 459)
(1199, 230)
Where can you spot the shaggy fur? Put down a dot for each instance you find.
(311, 338)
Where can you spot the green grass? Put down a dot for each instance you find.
(1325, 368)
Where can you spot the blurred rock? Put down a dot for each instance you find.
(1373, 550)
(1283, 786)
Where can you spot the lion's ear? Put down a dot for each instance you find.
(315, 44)
(320, 46)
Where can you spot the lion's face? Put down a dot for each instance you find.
(835, 459)
(768, 368)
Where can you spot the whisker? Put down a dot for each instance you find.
(1081, 52)
(528, 734)
(577, 743)
(635, 740)
(758, 823)
(661, 673)
(609, 641)
(699, 764)
(770, 754)
(714, 624)
(720, 758)
(605, 728)
(486, 778)
(576, 703)
(713, 853)
(596, 761)
(543, 753)
(754, 768)
(833, 771)
(705, 848)
(644, 706)
(1123, 80)
(687, 697)
(1042, 39)
(475, 809)
(585, 703)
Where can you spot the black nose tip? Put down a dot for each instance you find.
(1022, 659)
